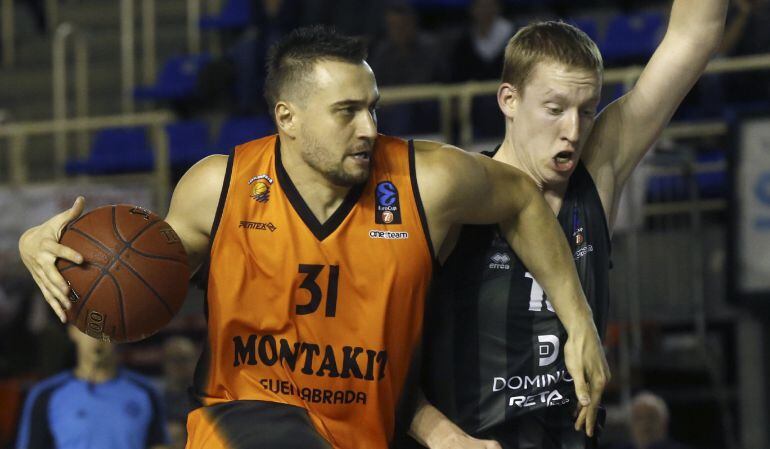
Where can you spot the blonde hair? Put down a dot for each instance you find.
(550, 41)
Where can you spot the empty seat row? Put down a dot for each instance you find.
(128, 149)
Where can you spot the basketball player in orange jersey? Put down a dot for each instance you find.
(517, 393)
(321, 242)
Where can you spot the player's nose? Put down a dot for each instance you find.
(571, 126)
(367, 125)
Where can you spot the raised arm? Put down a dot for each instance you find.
(459, 187)
(628, 127)
(193, 206)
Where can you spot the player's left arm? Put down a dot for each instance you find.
(628, 128)
(465, 188)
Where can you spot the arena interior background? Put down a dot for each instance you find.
(114, 99)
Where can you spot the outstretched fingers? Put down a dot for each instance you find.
(50, 299)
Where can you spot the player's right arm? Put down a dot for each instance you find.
(434, 430)
(191, 215)
(194, 205)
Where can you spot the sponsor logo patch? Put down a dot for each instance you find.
(388, 235)
(260, 188)
(499, 261)
(257, 226)
(581, 246)
(387, 209)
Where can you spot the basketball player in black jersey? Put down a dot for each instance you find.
(495, 370)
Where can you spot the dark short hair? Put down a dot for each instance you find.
(292, 58)
(550, 41)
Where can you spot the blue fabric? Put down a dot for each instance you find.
(68, 413)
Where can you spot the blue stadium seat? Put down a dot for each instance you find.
(588, 25)
(116, 150)
(632, 36)
(177, 79)
(712, 184)
(234, 14)
(188, 142)
(677, 187)
(238, 130)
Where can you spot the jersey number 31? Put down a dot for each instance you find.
(310, 284)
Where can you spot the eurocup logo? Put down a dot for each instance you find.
(387, 195)
(387, 208)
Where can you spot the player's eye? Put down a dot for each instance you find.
(553, 110)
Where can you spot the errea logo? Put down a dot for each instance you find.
(499, 261)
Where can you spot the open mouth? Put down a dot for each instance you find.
(563, 160)
(563, 157)
(362, 156)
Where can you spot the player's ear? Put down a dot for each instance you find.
(507, 99)
(285, 118)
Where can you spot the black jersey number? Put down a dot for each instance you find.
(310, 284)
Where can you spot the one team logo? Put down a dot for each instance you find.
(260, 187)
(387, 209)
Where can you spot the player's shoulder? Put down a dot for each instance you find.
(206, 174)
(49, 385)
(446, 162)
(141, 382)
(210, 165)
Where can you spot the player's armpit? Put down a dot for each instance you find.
(194, 205)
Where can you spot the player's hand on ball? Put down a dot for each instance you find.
(587, 364)
(39, 248)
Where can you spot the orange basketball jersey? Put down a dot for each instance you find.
(324, 316)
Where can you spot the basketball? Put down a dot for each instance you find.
(134, 274)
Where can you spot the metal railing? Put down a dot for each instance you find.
(63, 33)
(8, 36)
(127, 62)
(193, 26)
(18, 133)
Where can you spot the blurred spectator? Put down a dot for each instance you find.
(747, 33)
(37, 9)
(97, 405)
(272, 19)
(648, 424)
(351, 17)
(748, 30)
(406, 56)
(179, 358)
(478, 55)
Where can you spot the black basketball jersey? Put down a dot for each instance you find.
(494, 346)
